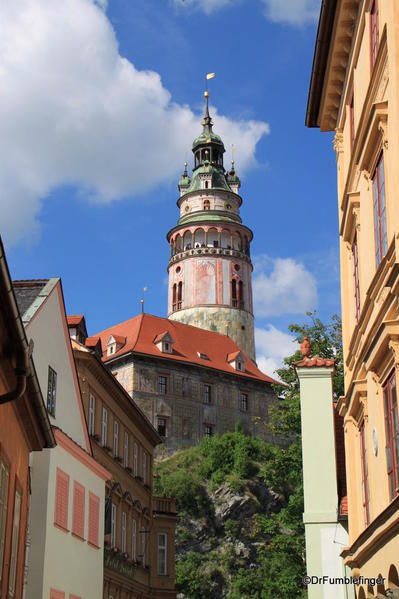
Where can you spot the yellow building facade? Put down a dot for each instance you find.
(354, 91)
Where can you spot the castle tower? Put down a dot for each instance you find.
(210, 267)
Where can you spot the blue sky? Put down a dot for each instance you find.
(100, 103)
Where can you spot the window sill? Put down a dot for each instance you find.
(61, 527)
(94, 545)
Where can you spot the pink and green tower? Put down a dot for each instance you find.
(210, 266)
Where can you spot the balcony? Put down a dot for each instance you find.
(212, 251)
(115, 561)
(164, 505)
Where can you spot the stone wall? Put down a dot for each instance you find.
(184, 408)
(237, 324)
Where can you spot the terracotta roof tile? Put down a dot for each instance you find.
(189, 341)
(315, 361)
(74, 319)
(233, 356)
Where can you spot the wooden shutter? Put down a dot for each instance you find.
(15, 543)
(61, 499)
(94, 518)
(4, 483)
(78, 515)
(54, 594)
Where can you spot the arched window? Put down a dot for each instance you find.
(234, 293)
(207, 204)
(241, 294)
(179, 296)
(174, 298)
(206, 186)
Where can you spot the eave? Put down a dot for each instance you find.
(331, 57)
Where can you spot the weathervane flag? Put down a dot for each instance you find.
(210, 75)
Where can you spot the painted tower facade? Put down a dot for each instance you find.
(210, 266)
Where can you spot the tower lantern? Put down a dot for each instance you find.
(210, 266)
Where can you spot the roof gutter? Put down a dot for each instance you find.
(322, 48)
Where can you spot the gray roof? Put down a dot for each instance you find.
(31, 294)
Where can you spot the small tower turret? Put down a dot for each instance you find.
(210, 266)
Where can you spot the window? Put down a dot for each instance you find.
(207, 431)
(135, 459)
(61, 499)
(104, 428)
(244, 402)
(116, 438)
(123, 532)
(144, 464)
(161, 426)
(14, 543)
(234, 293)
(241, 294)
(92, 405)
(174, 291)
(78, 514)
(162, 554)
(94, 519)
(134, 535)
(392, 435)
(54, 594)
(4, 482)
(207, 204)
(380, 224)
(239, 365)
(166, 346)
(352, 120)
(180, 296)
(143, 546)
(51, 391)
(365, 477)
(356, 277)
(113, 525)
(207, 394)
(374, 33)
(162, 385)
(126, 450)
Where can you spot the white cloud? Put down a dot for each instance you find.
(207, 6)
(292, 12)
(282, 286)
(74, 111)
(272, 346)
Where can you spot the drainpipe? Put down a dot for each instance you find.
(21, 371)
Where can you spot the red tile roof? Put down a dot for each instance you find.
(119, 339)
(340, 461)
(74, 320)
(141, 331)
(315, 361)
(92, 341)
(159, 337)
(233, 356)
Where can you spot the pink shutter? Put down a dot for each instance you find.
(54, 594)
(74, 596)
(94, 517)
(61, 499)
(78, 517)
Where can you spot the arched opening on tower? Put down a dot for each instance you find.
(234, 293)
(241, 295)
(178, 244)
(237, 244)
(213, 238)
(207, 204)
(187, 239)
(180, 296)
(174, 290)
(199, 238)
(226, 239)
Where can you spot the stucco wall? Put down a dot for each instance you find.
(58, 559)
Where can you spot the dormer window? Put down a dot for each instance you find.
(237, 361)
(164, 343)
(114, 343)
(202, 356)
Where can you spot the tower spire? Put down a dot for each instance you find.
(207, 121)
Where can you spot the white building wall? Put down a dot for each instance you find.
(57, 559)
(52, 348)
